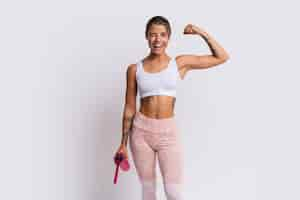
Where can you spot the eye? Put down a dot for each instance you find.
(164, 34)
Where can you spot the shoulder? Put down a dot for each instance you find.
(131, 70)
(180, 61)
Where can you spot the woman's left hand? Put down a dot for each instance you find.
(194, 30)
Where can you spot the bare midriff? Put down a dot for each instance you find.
(158, 107)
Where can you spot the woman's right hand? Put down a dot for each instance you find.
(123, 150)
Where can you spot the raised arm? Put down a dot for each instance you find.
(130, 103)
(218, 56)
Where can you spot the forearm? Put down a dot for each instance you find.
(216, 49)
(128, 116)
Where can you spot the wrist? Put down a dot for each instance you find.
(204, 35)
(123, 144)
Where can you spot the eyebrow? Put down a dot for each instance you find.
(157, 33)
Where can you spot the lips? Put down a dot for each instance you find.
(157, 47)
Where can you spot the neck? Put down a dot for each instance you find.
(158, 57)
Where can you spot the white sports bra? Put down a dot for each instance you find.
(163, 82)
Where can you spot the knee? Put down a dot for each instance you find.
(149, 190)
(173, 191)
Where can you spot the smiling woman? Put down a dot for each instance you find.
(158, 33)
(152, 129)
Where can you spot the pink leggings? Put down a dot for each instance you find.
(152, 137)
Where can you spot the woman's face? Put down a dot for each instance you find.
(157, 38)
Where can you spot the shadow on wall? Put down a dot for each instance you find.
(90, 145)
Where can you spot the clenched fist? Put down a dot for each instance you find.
(192, 29)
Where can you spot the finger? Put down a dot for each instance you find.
(187, 31)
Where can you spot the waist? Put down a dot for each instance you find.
(154, 124)
(164, 104)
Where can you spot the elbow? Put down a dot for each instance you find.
(129, 110)
(221, 58)
(224, 58)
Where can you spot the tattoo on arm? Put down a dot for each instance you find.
(127, 126)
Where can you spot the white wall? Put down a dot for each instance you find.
(63, 67)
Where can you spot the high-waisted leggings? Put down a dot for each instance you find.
(152, 138)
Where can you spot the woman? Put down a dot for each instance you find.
(153, 131)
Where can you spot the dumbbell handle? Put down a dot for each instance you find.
(116, 173)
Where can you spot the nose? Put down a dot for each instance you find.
(157, 40)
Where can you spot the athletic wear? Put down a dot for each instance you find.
(152, 137)
(158, 83)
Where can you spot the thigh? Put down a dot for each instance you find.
(170, 157)
(143, 155)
